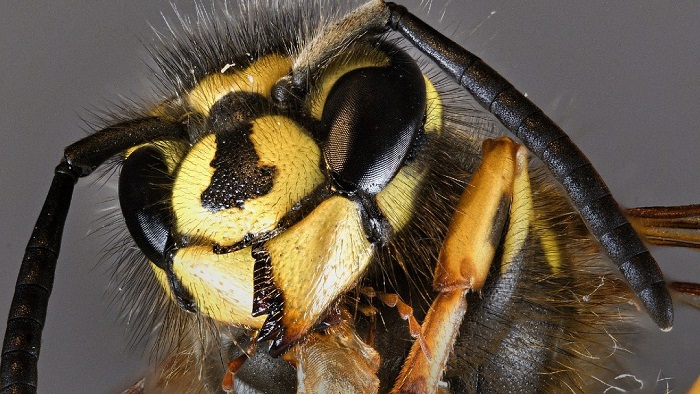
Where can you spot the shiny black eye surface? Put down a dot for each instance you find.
(143, 194)
(372, 116)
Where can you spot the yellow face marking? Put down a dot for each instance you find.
(340, 66)
(279, 142)
(318, 259)
(470, 244)
(259, 78)
(221, 284)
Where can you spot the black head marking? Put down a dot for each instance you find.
(237, 176)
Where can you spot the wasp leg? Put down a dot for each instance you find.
(25, 323)
(695, 389)
(234, 366)
(499, 186)
(137, 388)
(405, 312)
(671, 226)
(371, 313)
(569, 166)
(392, 301)
(691, 289)
(687, 292)
(335, 361)
(668, 226)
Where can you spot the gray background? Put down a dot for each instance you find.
(621, 77)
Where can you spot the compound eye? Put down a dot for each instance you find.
(144, 192)
(371, 117)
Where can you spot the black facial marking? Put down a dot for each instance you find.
(235, 109)
(237, 175)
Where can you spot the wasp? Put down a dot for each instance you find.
(386, 313)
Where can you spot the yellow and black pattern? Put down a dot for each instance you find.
(292, 170)
(268, 241)
(277, 205)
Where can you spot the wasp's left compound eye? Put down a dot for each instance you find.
(372, 116)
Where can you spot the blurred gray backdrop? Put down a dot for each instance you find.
(622, 78)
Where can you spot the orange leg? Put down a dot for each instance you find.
(695, 389)
(669, 226)
(234, 365)
(498, 188)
